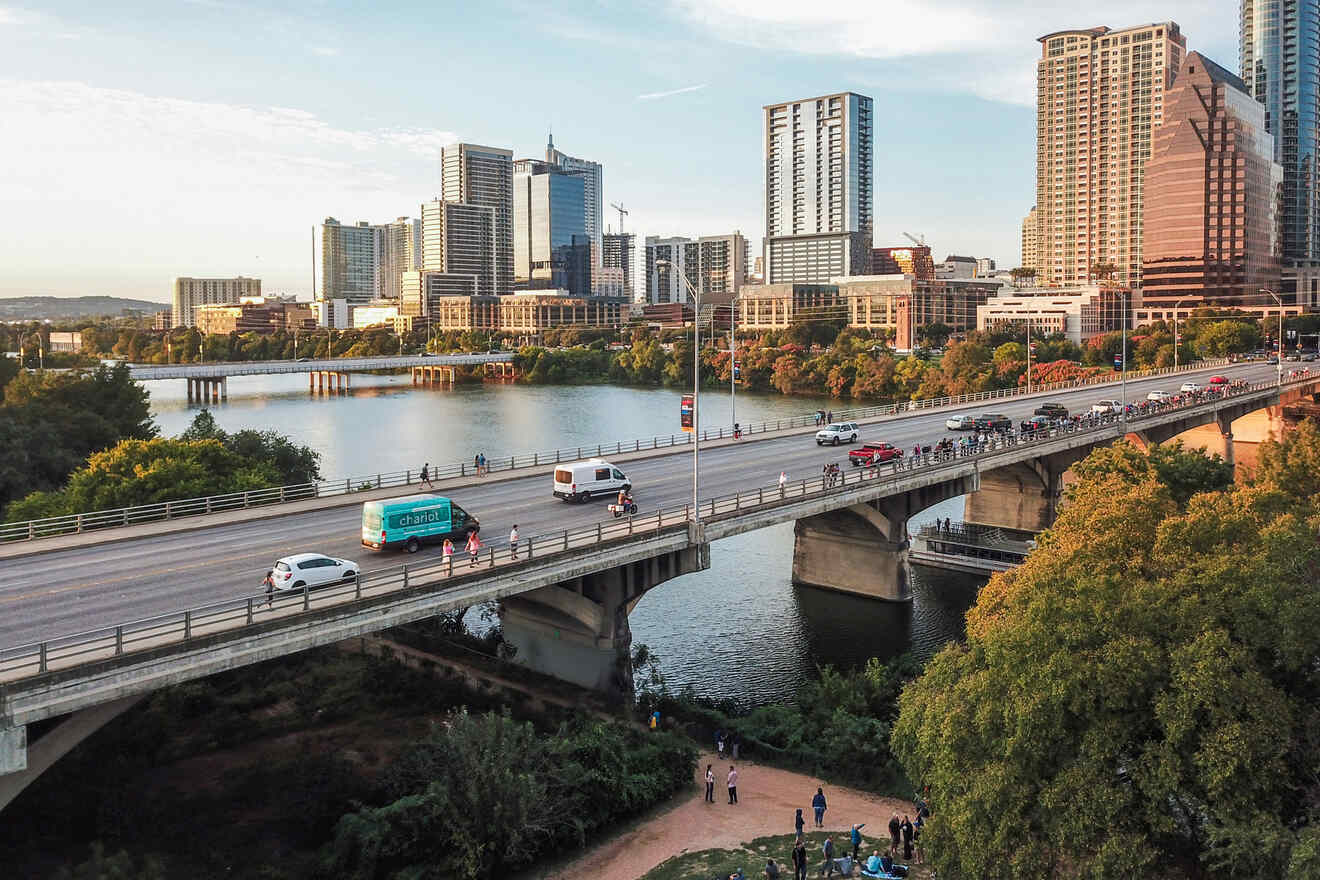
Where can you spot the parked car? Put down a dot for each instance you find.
(836, 433)
(1159, 396)
(1053, 410)
(1190, 387)
(993, 422)
(1106, 407)
(311, 570)
(1036, 423)
(874, 453)
(960, 423)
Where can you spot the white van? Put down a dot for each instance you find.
(584, 480)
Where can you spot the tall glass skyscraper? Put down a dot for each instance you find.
(1281, 67)
(551, 247)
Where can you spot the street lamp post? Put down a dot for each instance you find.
(1279, 366)
(696, 381)
(733, 361)
(1123, 376)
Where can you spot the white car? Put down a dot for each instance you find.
(311, 570)
(960, 423)
(1106, 407)
(1159, 396)
(836, 433)
(1191, 386)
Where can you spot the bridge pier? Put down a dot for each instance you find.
(1024, 496)
(578, 630)
(863, 549)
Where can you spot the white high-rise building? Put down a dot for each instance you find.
(818, 188)
(191, 294)
(592, 188)
(400, 251)
(714, 264)
(350, 259)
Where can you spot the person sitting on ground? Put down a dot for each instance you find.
(887, 866)
(872, 866)
(738, 875)
(844, 865)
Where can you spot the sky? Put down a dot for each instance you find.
(208, 137)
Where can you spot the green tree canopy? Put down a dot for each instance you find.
(1139, 698)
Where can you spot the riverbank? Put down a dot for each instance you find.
(698, 839)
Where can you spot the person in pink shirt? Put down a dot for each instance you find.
(473, 548)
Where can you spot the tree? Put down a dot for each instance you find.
(1022, 274)
(1222, 338)
(1136, 693)
(1104, 271)
(934, 335)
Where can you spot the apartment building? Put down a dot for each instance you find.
(716, 265)
(483, 177)
(192, 293)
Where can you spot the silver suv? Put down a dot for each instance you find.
(836, 433)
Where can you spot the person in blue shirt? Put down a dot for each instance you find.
(818, 806)
(857, 838)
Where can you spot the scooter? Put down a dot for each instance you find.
(628, 508)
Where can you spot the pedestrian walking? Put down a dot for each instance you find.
(447, 550)
(827, 850)
(473, 548)
(484, 468)
(908, 832)
(799, 823)
(719, 743)
(895, 829)
(269, 582)
(799, 860)
(783, 481)
(476, 464)
(857, 838)
(426, 475)
(733, 784)
(710, 783)
(818, 807)
(948, 524)
(513, 541)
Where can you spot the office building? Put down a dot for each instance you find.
(985, 267)
(162, 320)
(913, 260)
(483, 177)
(608, 281)
(955, 266)
(1211, 190)
(376, 314)
(551, 249)
(400, 251)
(1029, 244)
(716, 265)
(424, 296)
(1079, 312)
(1280, 66)
(191, 293)
(1100, 98)
(350, 261)
(66, 341)
(818, 188)
(256, 315)
(902, 304)
(533, 312)
(593, 189)
(777, 306)
(460, 239)
(617, 252)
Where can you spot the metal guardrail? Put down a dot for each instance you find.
(46, 527)
(183, 626)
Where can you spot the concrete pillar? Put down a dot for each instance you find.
(311, 382)
(189, 382)
(1022, 496)
(578, 631)
(224, 388)
(860, 549)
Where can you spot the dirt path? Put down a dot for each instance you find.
(767, 799)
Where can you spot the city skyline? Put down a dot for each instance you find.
(218, 159)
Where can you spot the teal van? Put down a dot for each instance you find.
(413, 520)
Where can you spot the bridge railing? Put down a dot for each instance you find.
(46, 527)
(454, 573)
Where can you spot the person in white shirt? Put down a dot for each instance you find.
(513, 541)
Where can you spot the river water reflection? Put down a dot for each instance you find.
(740, 629)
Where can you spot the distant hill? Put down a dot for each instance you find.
(38, 308)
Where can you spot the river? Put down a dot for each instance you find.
(741, 629)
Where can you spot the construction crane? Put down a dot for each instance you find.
(623, 212)
(919, 242)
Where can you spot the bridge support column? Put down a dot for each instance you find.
(224, 388)
(1024, 496)
(578, 630)
(863, 549)
(1225, 426)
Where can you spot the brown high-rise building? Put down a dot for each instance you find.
(1212, 191)
(1099, 99)
(915, 261)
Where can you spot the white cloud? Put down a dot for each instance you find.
(651, 96)
(985, 47)
(327, 51)
(98, 177)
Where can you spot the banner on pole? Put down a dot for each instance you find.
(685, 411)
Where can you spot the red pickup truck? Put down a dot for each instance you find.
(874, 453)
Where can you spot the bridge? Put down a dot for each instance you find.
(89, 629)
(210, 380)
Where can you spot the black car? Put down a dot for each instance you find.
(1036, 423)
(1052, 410)
(993, 422)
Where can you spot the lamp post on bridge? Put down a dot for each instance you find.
(1279, 366)
(696, 379)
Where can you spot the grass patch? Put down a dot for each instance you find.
(709, 864)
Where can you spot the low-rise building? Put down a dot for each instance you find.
(374, 314)
(65, 341)
(1077, 312)
(776, 306)
(255, 315)
(534, 312)
(162, 320)
(955, 266)
(914, 260)
(465, 313)
(609, 281)
(903, 304)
